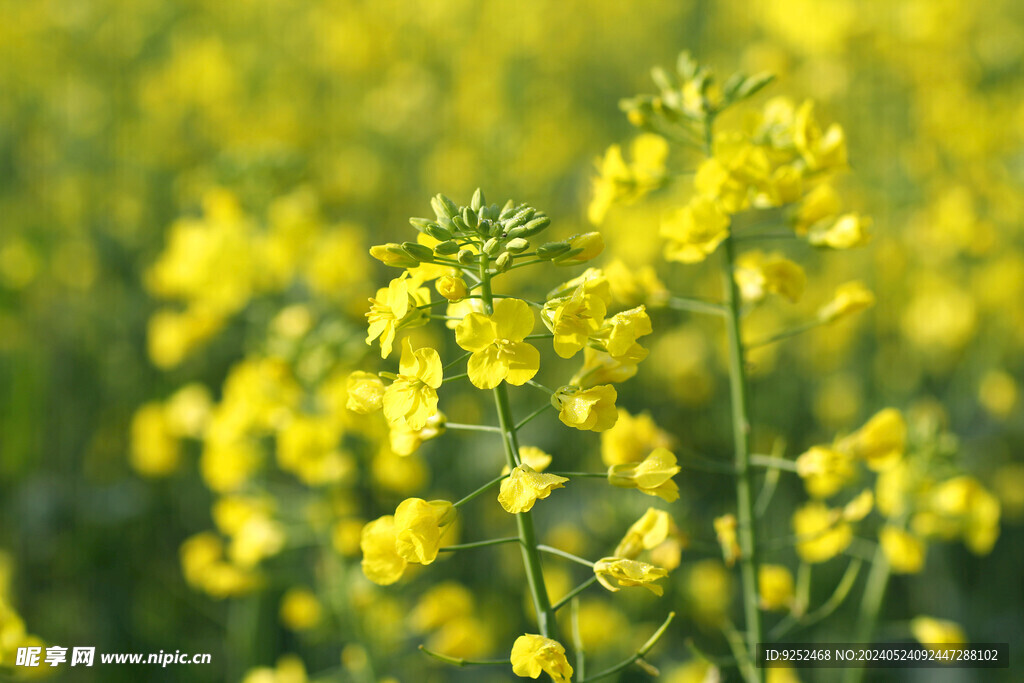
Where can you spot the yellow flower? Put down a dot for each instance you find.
(821, 151)
(758, 274)
(574, 319)
(632, 286)
(391, 309)
(620, 332)
(820, 203)
(714, 181)
(775, 587)
(419, 526)
(709, 590)
(725, 530)
(881, 442)
(525, 486)
(451, 287)
(632, 438)
(646, 533)
(499, 352)
(532, 456)
(849, 298)
(822, 533)
(850, 230)
(533, 654)
(405, 441)
(628, 573)
(860, 507)
(365, 392)
(974, 510)
(411, 399)
(652, 476)
(155, 450)
(619, 181)
(694, 231)
(587, 246)
(442, 603)
(904, 551)
(930, 631)
(590, 409)
(825, 470)
(300, 609)
(381, 562)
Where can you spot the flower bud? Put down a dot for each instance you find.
(503, 262)
(478, 200)
(517, 245)
(466, 257)
(470, 218)
(444, 207)
(583, 248)
(438, 233)
(451, 287)
(393, 255)
(420, 252)
(492, 246)
(446, 248)
(552, 250)
(507, 211)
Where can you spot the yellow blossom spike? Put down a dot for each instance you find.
(534, 654)
(525, 486)
(625, 573)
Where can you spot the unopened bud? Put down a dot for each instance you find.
(419, 252)
(451, 287)
(492, 246)
(517, 245)
(446, 248)
(552, 249)
(503, 262)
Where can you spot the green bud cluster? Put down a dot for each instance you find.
(479, 230)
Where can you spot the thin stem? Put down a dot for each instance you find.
(529, 418)
(574, 592)
(706, 464)
(744, 660)
(547, 335)
(546, 623)
(483, 489)
(771, 462)
(458, 360)
(768, 488)
(452, 378)
(478, 544)
(459, 661)
(577, 641)
(741, 440)
(471, 428)
(444, 317)
(757, 237)
(538, 385)
(594, 475)
(525, 263)
(870, 606)
(637, 656)
(569, 556)
(799, 329)
(683, 303)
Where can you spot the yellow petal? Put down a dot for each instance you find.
(513, 319)
(523, 362)
(476, 332)
(486, 368)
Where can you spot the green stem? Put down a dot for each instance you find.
(741, 442)
(772, 462)
(452, 378)
(870, 607)
(538, 385)
(483, 489)
(637, 656)
(470, 428)
(478, 544)
(574, 592)
(529, 418)
(594, 475)
(577, 642)
(524, 521)
(799, 329)
(569, 556)
(459, 661)
(461, 358)
(682, 303)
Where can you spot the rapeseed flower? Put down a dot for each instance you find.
(695, 231)
(628, 573)
(653, 475)
(525, 486)
(419, 526)
(590, 409)
(533, 654)
(496, 340)
(411, 400)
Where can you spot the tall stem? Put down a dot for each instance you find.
(870, 606)
(524, 521)
(741, 443)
